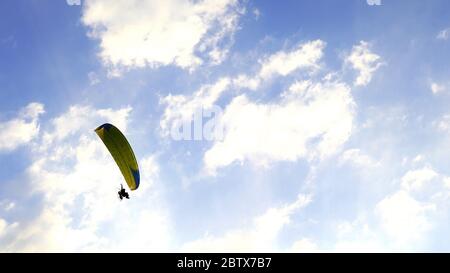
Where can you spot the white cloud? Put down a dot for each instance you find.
(22, 129)
(418, 158)
(180, 108)
(7, 205)
(447, 183)
(356, 236)
(356, 157)
(404, 218)
(5, 229)
(443, 123)
(93, 78)
(139, 33)
(245, 81)
(282, 63)
(359, 244)
(444, 34)
(82, 212)
(260, 237)
(416, 180)
(412, 211)
(81, 118)
(437, 88)
(365, 62)
(305, 56)
(304, 245)
(3, 225)
(256, 13)
(313, 123)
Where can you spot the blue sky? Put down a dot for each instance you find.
(334, 117)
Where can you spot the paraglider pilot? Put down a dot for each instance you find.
(122, 193)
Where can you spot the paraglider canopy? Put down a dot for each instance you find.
(121, 151)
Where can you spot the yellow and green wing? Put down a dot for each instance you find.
(122, 153)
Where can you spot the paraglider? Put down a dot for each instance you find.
(123, 154)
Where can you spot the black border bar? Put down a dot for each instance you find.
(225, 262)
